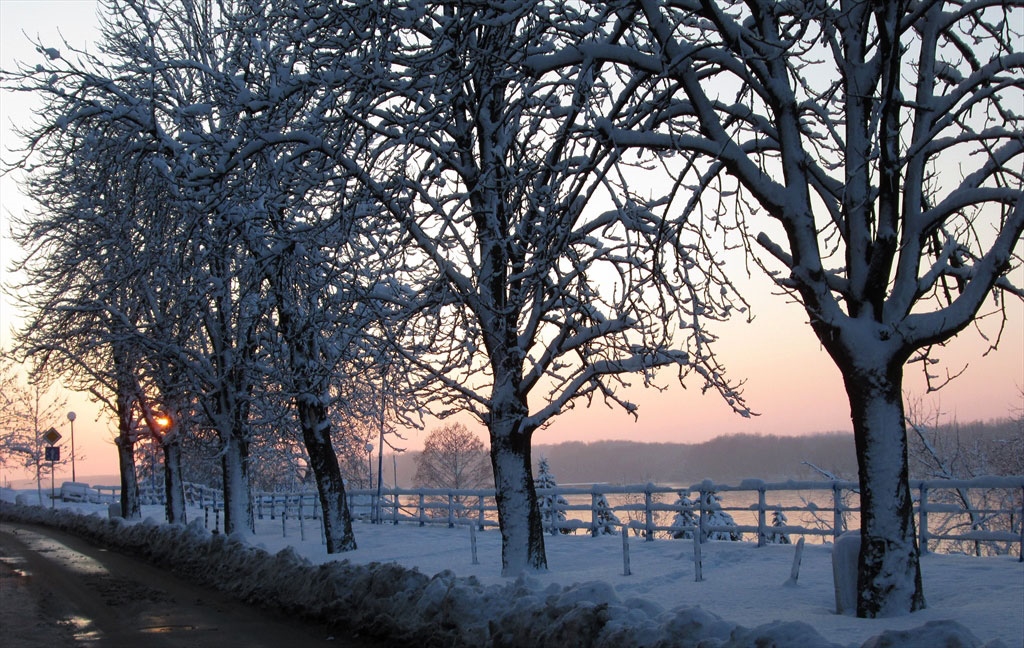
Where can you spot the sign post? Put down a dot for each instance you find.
(71, 418)
(52, 436)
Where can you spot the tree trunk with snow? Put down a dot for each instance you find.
(174, 486)
(131, 508)
(316, 434)
(237, 504)
(889, 572)
(522, 534)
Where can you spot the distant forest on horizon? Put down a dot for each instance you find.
(727, 459)
(730, 458)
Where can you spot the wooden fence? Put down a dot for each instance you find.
(977, 515)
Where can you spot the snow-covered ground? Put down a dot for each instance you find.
(420, 584)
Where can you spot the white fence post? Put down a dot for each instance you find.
(625, 551)
(837, 511)
(472, 542)
(794, 572)
(703, 513)
(698, 561)
(648, 514)
(922, 513)
(761, 539)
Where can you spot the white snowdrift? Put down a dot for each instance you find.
(388, 600)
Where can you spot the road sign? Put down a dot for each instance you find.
(52, 453)
(52, 436)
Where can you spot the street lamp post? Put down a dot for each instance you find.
(71, 417)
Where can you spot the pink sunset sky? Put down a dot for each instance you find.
(790, 381)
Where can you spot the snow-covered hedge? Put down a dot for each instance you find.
(403, 605)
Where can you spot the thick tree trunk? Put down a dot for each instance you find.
(522, 534)
(889, 574)
(174, 486)
(235, 466)
(131, 508)
(316, 433)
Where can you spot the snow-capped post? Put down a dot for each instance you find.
(922, 518)
(625, 550)
(1020, 544)
(794, 572)
(844, 571)
(838, 511)
(761, 516)
(648, 513)
(702, 504)
(698, 561)
(472, 542)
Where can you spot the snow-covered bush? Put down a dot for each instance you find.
(688, 517)
(605, 520)
(685, 519)
(715, 517)
(552, 505)
(775, 537)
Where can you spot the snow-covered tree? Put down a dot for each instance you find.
(453, 457)
(953, 451)
(552, 505)
(86, 260)
(778, 537)
(542, 278)
(26, 412)
(712, 515)
(685, 519)
(257, 226)
(868, 157)
(605, 520)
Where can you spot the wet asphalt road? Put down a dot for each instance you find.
(59, 590)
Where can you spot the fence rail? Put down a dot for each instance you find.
(981, 515)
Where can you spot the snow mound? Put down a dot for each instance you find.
(934, 633)
(403, 605)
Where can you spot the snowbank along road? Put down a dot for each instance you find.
(58, 590)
